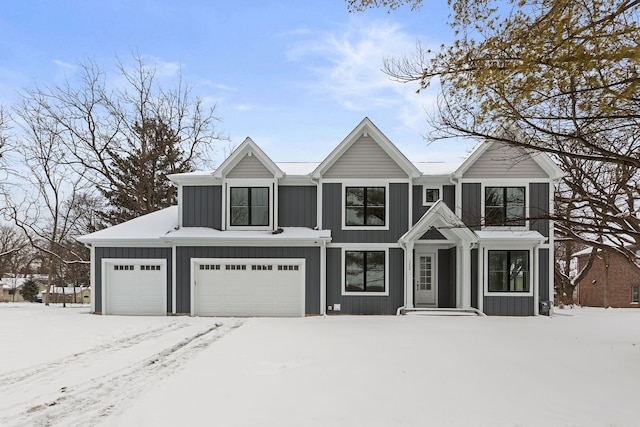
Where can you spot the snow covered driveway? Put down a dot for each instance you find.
(67, 367)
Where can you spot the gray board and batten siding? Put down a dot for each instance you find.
(297, 206)
(447, 278)
(398, 219)
(471, 205)
(448, 197)
(539, 207)
(508, 305)
(130, 253)
(201, 206)
(363, 304)
(185, 254)
(365, 159)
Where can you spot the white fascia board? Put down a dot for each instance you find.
(205, 178)
(128, 243)
(297, 180)
(249, 242)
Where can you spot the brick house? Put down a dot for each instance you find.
(613, 272)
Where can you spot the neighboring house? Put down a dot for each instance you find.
(365, 231)
(68, 294)
(12, 289)
(612, 276)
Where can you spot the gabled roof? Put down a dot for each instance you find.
(542, 159)
(366, 127)
(247, 148)
(440, 217)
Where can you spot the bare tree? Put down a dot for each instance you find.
(50, 190)
(99, 128)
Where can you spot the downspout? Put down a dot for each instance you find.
(401, 309)
(323, 277)
(92, 275)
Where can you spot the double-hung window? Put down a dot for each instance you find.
(364, 271)
(249, 206)
(509, 271)
(365, 206)
(504, 206)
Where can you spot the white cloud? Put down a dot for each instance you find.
(63, 64)
(346, 66)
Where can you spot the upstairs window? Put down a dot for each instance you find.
(365, 206)
(504, 206)
(509, 271)
(431, 195)
(249, 206)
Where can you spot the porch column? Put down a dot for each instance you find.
(465, 276)
(408, 275)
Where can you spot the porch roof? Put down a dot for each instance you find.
(441, 218)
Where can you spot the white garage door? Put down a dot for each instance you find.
(135, 287)
(241, 287)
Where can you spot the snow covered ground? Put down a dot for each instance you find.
(64, 366)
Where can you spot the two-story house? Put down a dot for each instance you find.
(365, 231)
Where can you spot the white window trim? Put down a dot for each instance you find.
(485, 274)
(271, 184)
(364, 183)
(344, 292)
(431, 187)
(502, 183)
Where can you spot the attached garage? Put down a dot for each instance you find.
(134, 286)
(248, 287)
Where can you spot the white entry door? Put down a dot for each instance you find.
(425, 278)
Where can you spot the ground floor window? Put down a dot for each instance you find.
(634, 294)
(364, 271)
(509, 271)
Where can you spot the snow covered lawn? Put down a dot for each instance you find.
(64, 366)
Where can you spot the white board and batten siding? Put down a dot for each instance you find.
(134, 287)
(250, 167)
(248, 287)
(365, 159)
(503, 161)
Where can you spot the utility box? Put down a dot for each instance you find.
(545, 308)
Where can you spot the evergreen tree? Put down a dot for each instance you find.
(30, 290)
(140, 175)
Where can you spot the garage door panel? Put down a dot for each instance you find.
(135, 287)
(260, 287)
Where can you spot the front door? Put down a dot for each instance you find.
(425, 279)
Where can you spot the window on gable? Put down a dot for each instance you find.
(364, 271)
(509, 271)
(249, 206)
(504, 206)
(365, 206)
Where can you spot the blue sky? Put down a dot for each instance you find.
(295, 76)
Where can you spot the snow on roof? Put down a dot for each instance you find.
(163, 226)
(146, 227)
(586, 251)
(510, 235)
(288, 233)
(437, 168)
(297, 168)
